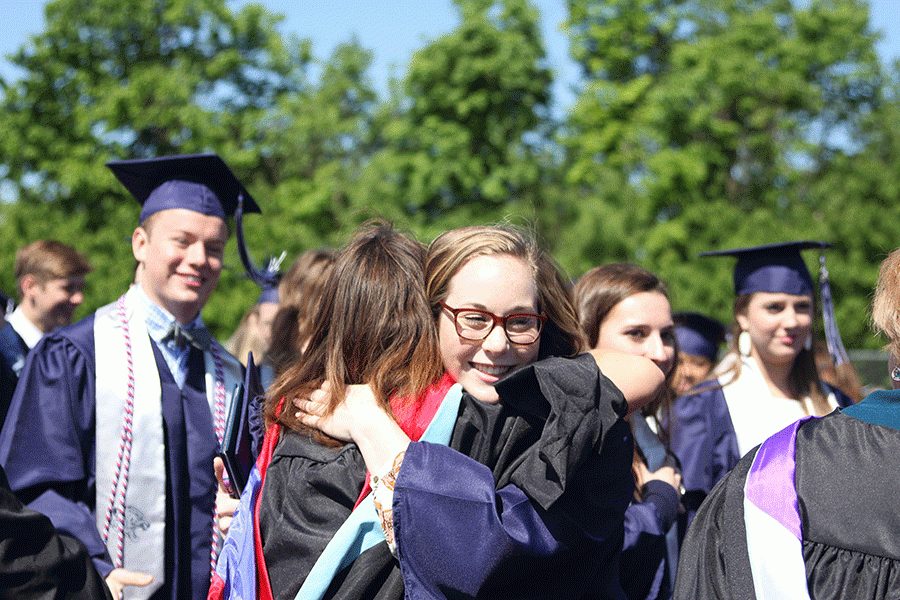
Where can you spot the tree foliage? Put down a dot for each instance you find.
(699, 124)
(711, 124)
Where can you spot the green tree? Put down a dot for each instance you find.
(461, 141)
(130, 79)
(709, 124)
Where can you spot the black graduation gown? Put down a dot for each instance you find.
(848, 485)
(557, 443)
(37, 562)
(47, 447)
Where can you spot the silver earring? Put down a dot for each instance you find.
(744, 343)
(808, 343)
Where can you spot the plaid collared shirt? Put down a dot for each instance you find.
(159, 323)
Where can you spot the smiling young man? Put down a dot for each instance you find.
(49, 283)
(113, 429)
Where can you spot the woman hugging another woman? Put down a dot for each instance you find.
(520, 481)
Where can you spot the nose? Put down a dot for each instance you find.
(196, 254)
(791, 318)
(496, 342)
(76, 298)
(657, 351)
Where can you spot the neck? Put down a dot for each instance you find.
(777, 377)
(34, 318)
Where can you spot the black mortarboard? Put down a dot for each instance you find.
(776, 268)
(698, 334)
(202, 183)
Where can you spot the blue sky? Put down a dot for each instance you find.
(394, 29)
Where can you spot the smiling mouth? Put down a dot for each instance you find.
(193, 279)
(492, 370)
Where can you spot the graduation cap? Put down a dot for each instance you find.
(698, 334)
(202, 183)
(779, 268)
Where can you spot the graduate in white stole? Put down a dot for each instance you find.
(114, 428)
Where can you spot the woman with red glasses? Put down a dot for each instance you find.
(527, 500)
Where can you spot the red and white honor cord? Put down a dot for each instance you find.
(219, 424)
(123, 459)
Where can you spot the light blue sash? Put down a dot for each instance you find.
(362, 529)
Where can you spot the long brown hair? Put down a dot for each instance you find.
(452, 249)
(373, 326)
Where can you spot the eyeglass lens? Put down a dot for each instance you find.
(477, 325)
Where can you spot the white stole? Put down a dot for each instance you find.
(755, 413)
(145, 504)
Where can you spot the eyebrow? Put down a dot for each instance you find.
(514, 311)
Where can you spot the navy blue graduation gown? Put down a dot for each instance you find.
(13, 350)
(703, 439)
(527, 501)
(47, 447)
(847, 479)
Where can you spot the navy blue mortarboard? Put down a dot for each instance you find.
(698, 334)
(779, 268)
(202, 183)
(776, 268)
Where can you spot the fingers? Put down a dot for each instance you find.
(308, 409)
(119, 578)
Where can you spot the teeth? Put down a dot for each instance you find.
(492, 369)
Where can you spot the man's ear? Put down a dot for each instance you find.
(140, 239)
(29, 285)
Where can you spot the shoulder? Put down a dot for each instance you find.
(705, 398)
(842, 399)
(78, 338)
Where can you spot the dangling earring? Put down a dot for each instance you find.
(895, 374)
(744, 343)
(808, 343)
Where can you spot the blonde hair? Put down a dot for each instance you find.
(886, 304)
(299, 294)
(451, 250)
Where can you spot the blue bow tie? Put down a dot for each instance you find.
(198, 338)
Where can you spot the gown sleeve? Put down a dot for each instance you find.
(538, 516)
(702, 438)
(46, 446)
(713, 562)
(37, 562)
(643, 562)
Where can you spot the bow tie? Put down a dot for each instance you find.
(198, 338)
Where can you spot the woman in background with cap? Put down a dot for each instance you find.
(790, 521)
(767, 380)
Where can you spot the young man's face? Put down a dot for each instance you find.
(50, 304)
(181, 259)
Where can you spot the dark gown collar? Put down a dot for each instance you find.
(881, 407)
